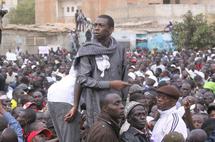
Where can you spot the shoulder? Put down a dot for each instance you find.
(100, 126)
(100, 132)
(126, 136)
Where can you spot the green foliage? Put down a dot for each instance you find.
(24, 13)
(193, 32)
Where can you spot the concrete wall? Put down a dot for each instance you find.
(50, 11)
(45, 11)
(93, 8)
(160, 13)
(30, 40)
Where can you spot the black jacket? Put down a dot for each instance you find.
(133, 135)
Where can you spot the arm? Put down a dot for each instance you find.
(188, 116)
(85, 80)
(77, 94)
(13, 123)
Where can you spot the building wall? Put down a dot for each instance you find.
(160, 13)
(45, 11)
(93, 8)
(10, 4)
(52, 10)
(30, 40)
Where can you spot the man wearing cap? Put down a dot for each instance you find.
(136, 113)
(169, 120)
(39, 135)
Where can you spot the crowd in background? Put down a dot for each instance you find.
(24, 84)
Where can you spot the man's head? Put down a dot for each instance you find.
(39, 135)
(211, 111)
(208, 97)
(38, 98)
(209, 126)
(8, 135)
(186, 89)
(112, 105)
(197, 135)
(136, 113)
(26, 117)
(173, 137)
(103, 27)
(167, 97)
(198, 120)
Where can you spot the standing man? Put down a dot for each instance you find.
(169, 120)
(101, 67)
(106, 129)
(76, 19)
(62, 108)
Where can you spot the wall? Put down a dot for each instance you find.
(160, 13)
(50, 11)
(30, 40)
(45, 11)
(93, 8)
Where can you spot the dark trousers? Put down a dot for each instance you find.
(66, 132)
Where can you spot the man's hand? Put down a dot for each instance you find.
(118, 84)
(71, 114)
(186, 103)
(2, 110)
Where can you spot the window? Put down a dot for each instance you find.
(68, 9)
(166, 1)
(72, 9)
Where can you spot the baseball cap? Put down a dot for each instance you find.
(33, 134)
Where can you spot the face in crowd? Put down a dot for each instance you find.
(137, 117)
(113, 106)
(103, 28)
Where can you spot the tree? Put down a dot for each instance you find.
(193, 32)
(24, 13)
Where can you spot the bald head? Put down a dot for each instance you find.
(8, 135)
(112, 105)
(197, 135)
(104, 101)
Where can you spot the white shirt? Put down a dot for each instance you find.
(169, 121)
(63, 90)
(154, 67)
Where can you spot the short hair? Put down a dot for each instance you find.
(109, 18)
(197, 135)
(3, 123)
(136, 97)
(209, 126)
(8, 135)
(104, 101)
(211, 108)
(30, 115)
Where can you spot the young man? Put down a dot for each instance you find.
(101, 67)
(106, 128)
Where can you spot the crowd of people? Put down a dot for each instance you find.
(108, 93)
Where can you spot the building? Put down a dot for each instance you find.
(55, 11)
(63, 11)
(8, 4)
